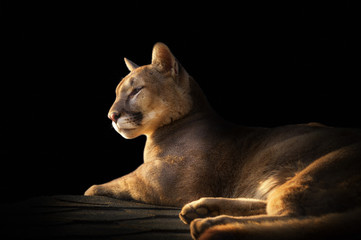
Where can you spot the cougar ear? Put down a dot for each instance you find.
(130, 65)
(163, 58)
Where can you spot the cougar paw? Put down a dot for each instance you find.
(198, 226)
(198, 209)
(92, 191)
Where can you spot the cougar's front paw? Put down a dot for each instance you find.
(198, 209)
(198, 226)
(93, 191)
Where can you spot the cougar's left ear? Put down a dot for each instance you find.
(163, 58)
(130, 65)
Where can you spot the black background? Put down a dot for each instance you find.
(259, 63)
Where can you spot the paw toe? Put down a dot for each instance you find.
(188, 217)
(92, 191)
(197, 209)
(198, 226)
(189, 213)
(202, 211)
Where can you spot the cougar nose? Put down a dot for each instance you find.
(114, 116)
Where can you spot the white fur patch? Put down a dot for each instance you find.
(124, 132)
(125, 123)
(151, 114)
(266, 187)
(115, 126)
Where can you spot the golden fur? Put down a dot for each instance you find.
(290, 182)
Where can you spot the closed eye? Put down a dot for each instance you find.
(135, 91)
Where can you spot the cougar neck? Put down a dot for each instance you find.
(200, 111)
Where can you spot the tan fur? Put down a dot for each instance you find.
(345, 225)
(290, 182)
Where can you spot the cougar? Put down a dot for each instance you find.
(291, 182)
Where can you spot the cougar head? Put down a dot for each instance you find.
(151, 96)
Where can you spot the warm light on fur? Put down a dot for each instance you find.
(291, 182)
(163, 89)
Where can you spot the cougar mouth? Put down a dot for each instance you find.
(135, 118)
(118, 127)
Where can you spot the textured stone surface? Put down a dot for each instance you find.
(82, 217)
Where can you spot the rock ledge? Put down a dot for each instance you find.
(83, 217)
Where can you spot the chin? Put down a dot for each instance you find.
(126, 133)
(129, 133)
